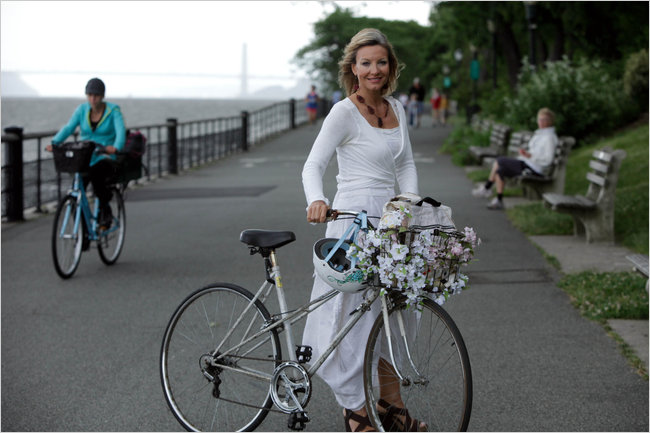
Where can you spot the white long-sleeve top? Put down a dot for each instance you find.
(364, 159)
(542, 150)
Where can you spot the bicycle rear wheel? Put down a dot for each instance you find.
(437, 389)
(66, 239)
(205, 395)
(111, 241)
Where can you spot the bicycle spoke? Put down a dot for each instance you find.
(439, 390)
(234, 391)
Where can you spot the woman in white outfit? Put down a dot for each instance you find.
(369, 133)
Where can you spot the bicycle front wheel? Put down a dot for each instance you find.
(67, 239)
(111, 240)
(430, 356)
(207, 392)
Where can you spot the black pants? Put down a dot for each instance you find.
(100, 176)
(511, 167)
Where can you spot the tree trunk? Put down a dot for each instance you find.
(557, 51)
(509, 48)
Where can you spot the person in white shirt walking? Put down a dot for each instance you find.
(538, 159)
(368, 131)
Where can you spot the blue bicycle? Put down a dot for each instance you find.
(76, 223)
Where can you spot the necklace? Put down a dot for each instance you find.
(372, 110)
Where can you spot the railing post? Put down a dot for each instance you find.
(15, 193)
(172, 146)
(244, 131)
(292, 112)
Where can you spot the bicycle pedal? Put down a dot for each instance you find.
(303, 353)
(297, 421)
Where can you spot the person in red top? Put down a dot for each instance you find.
(435, 106)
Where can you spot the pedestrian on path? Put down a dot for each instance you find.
(435, 107)
(369, 133)
(538, 159)
(312, 104)
(419, 91)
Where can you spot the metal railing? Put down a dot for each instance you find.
(31, 182)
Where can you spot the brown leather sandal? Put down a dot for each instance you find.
(363, 421)
(397, 419)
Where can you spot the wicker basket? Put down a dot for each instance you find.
(73, 157)
(440, 271)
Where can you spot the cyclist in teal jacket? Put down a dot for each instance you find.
(101, 122)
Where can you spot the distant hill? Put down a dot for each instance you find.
(11, 84)
(278, 92)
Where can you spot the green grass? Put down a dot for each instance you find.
(608, 295)
(535, 220)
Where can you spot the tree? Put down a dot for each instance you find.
(331, 34)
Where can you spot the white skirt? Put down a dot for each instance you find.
(343, 369)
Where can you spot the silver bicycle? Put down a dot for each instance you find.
(222, 367)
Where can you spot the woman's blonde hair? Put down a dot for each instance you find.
(365, 38)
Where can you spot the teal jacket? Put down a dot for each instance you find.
(110, 130)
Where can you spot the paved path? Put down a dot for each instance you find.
(82, 354)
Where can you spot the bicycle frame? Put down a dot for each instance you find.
(83, 210)
(291, 317)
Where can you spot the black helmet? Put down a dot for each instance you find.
(95, 86)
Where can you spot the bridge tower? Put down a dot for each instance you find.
(244, 72)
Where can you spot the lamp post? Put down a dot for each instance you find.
(446, 83)
(458, 56)
(531, 12)
(474, 71)
(493, 31)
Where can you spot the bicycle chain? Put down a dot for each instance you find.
(252, 405)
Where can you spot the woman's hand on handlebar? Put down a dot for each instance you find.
(109, 149)
(48, 148)
(317, 212)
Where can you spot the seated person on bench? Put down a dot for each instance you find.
(538, 159)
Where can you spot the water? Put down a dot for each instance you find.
(50, 114)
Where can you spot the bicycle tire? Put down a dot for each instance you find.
(111, 241)
(441, 396)
(66, 242)
(195, 329)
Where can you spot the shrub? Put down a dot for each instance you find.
(635, 79)
(585, 98)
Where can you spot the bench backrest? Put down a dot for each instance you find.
(485, 126)
(603, 175)
(562, 151)
(518, 140)
(499, 137)
(476, 122)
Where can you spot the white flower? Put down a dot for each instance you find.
(429, 262)
(399, 251)
(391, 220)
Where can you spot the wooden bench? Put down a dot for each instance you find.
(593, 214)
(640, 264)
(534, 186)
(499, 137)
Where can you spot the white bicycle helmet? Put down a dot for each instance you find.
(338, 272)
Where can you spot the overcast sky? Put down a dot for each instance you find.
(161, 48)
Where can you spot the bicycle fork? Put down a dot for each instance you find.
(404, 380)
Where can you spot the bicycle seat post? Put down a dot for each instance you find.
(282, 302)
